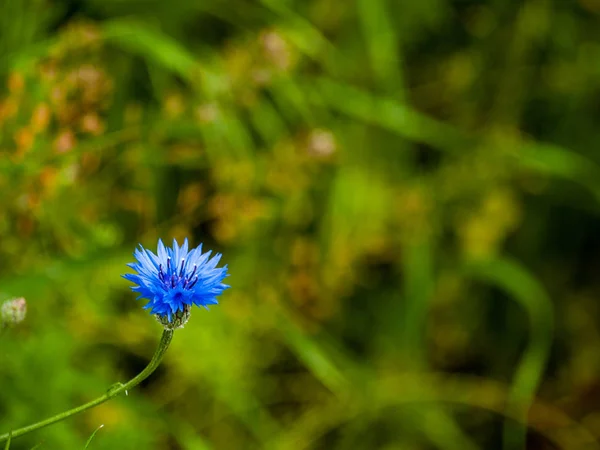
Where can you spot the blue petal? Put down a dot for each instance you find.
(168, 295)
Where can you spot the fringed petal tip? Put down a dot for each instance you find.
(175, 278)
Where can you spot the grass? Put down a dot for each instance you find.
(406, 195)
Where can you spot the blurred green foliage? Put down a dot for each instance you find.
(407, 195)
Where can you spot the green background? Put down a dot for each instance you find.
(407, 194)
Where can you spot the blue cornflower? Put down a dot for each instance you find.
(175, 279)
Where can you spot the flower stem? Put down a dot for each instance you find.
(113, 391)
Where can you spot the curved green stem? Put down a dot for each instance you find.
(113, 391)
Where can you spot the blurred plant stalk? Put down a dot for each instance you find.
(113, 391)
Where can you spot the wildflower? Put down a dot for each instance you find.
(13, 311)
(321, 143)
(174, 279)
(65, 141)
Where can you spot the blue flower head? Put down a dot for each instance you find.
(175, 279)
